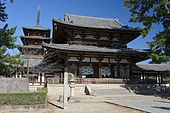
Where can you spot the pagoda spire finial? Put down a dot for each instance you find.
(38, 15)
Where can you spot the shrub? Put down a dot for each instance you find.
(24, 98)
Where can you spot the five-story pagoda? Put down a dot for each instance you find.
(32, 50)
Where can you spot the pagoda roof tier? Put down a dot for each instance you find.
(36, 27)
(32, 56)
(31, 50)
(135, 54)
(32, 46)
(50, 67)
(37, 37)
(34, 39)
(94, 22)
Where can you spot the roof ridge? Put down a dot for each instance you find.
(115, 19)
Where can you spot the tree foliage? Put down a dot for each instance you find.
(7, 41)
(149, 13)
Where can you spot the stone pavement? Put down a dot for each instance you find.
(147, 103)
(107, 99)
(125, 98)
(86, 103)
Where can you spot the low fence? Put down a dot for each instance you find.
(88, 81)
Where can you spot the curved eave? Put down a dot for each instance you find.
(124, 28)
(33, 28)
(31, 47)
(135, 55)
(23, 38)
(96, 50)
(133, 32)
(28, 48)
(152, 67)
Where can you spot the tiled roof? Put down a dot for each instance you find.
(36, 28)
(94, 22)
(31, 46)
(50, 67)
(154, 67)
(94, 49)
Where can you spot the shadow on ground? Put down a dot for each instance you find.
(149, 89)
(165, 108)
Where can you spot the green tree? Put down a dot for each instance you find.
(7, 41)
(149, 13)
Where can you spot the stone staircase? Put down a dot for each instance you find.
(109, 90)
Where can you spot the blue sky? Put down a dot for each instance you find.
(24, 12)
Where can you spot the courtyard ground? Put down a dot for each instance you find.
(106, 99)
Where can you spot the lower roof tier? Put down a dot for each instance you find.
(31, 50)
(151, 68)
(27, 40)
(133, 54)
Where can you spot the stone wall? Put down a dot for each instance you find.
(14, 85)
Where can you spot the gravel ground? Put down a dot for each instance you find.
(100, 107)
(86, 104)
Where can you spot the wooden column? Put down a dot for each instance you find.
(28, 65)
(80, 66)
(112, 70)
(118, 59)
(43, 77)
(39, 77)
(159, 80)
(100, 70)
(143, 76)
(80, 69)
(100, 66)
(65, 90)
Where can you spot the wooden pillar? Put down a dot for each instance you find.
(39, 78)
(43, 77)
(28, 65)
(159, 80)
(118, 66)
(16, 76)
(20, 76)
(65, 90)
(95, 69)
(80, 64)
(100, 66)
(112, 70)
(142, 77)
(80, 69)
(100, 70)
(130, 71)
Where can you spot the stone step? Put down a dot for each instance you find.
(106, 86)
(105, 90)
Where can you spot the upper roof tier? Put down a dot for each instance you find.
(36, 28)
(94, 22)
